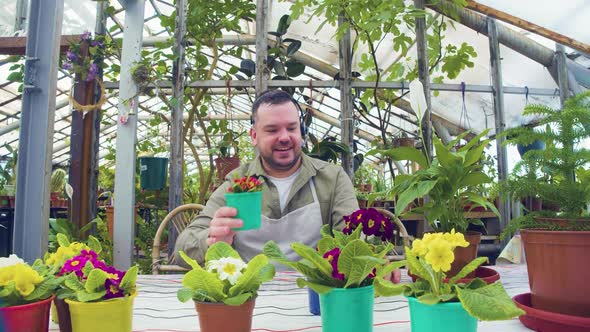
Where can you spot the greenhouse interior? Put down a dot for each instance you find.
(394, 157)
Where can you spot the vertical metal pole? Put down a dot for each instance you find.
(424, 76)
(21, 15)
(261, 46)
(176, 139)
(498, 95)
(562, 73)
(346, 120)
(124, 224)
(31, 219)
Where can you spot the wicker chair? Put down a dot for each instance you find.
(180, 218)
(403, 233)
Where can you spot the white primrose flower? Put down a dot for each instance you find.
(228, 268)
(10, 260)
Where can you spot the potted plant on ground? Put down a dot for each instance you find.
(25, 294)
(342, 270)
(227, 149)
(439, 305)
(226, 288)
(556, 240)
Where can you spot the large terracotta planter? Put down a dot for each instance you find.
(464, 256)
(216, 317)
(32, 317)
(559, 273)
(224, 165)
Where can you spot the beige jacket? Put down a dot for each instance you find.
(334, 189)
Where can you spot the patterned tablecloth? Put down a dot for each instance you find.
(283, 307)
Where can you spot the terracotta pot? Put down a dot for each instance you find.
(213, 317)
(63, 315)
(404, 141)
(540, 320)
(465, 255)
(558, 271)
(224, 165)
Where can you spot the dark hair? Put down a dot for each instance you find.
(278, 97)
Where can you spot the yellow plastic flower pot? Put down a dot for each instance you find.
(114, 315)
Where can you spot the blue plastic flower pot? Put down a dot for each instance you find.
(348, 309)
(536, 145)
(314, 302)
(441, 317)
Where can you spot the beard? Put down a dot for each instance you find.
(281, 165)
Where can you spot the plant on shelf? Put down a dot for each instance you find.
(226, 287)
(25, 291)
(344, 268)
(328, 149)
(559, 175)
(430, 260)
(8, 175)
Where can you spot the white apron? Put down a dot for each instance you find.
(302, 225)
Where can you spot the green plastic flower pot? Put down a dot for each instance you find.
(249, 206)
(347, 309)
(441, 317)
(152, 173)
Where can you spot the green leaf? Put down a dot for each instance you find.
(489, 303)
(474, 155)
(205, 281)
(129, 279)
(184, 294)
(71, 281)
(388, 268)
(417, 190)
(429, 299)
(62, 240)
(415, 266)
(402, 153)
(314, 257)
(294, 68)
(387, 288)
(472, 266)
(352, 268)
(238, 300)
(326, 244)
(191, 262)
(318, 288)
(284, 24)
(95, 281)
(293, 47)
(249, 281)
(273, 252)
(94, 244)
(220, 250)
(84, 296)
(446, 158)
(474, 179)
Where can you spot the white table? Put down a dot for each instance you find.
(283, 307)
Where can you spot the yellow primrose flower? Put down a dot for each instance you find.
(26, 279)
(419, 248)
(429, 237)
(7, 274)
(440, 255)
(456, 239)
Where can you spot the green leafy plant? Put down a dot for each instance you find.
(8, 169)
(558, 174)
(226, 277)
(451, 181)
(429, 259)
(340, 261)
(327, 149)
(21, 283)
(58, 181)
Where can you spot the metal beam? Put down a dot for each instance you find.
(562, 73)
(498, 96)
(36, 134)
(262, 74)
(346, 107)
(126, 136)
(20, 15)
(176, 135)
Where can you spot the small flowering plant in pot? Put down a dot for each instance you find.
(245, 195)
(99, 297)
(437, 304)
(342, 270)
(26, 292)
(226, 287)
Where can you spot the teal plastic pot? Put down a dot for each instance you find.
(347, 309)
(441, 317)
(249, 206)
(152, 173)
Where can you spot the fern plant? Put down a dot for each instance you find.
(558, 175)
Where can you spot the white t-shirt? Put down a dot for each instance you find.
(284, 186)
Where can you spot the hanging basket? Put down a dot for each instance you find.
(93, 107)
(152, 173)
